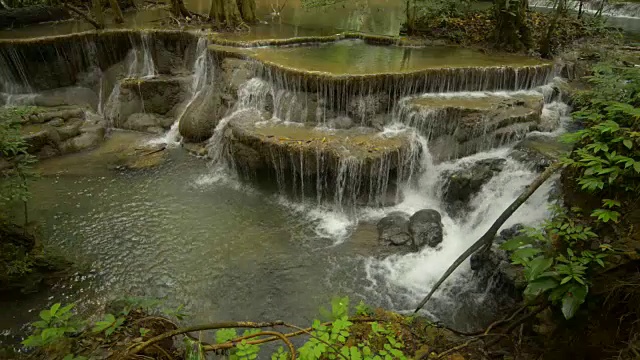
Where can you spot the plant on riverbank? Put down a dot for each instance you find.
(128, 331)
(559, 259)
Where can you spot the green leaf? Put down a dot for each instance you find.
(516, 243)
(628, 143)
(525, 253)
(540, 285)
(45, 315)
(572, 300)
(54, 309)
(636, 166)
(537, 266)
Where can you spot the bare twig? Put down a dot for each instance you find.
(163, 351)
(275, 335)
(83, 15)
(487, 239)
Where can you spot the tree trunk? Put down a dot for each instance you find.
(410, 10)
(117, 13)
(96, 9)
(511, 32)
(216, 11)
(247, 10)
(178, 9)
(546, 48)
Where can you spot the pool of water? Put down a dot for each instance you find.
(225, 251)
(357, 58)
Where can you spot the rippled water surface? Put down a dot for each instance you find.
(223, 250)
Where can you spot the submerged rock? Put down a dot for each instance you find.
(393, 229)
(425, 228)
(462, 185)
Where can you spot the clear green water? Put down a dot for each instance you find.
(225, 251)
(357, 57)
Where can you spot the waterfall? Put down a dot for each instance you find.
(201, 80)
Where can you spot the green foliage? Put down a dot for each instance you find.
(108, 324)
(557, 259)
(441, 10)
(607, 151)
(15, 162)
(53, 327)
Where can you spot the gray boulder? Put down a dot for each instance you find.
(202, 117)
(393, 229)
(425, 228)
(70, 129)
(462, 185)
(91, 135)
(42, 140)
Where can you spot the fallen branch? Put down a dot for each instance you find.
(486, 240)
(213, 326)
(83, 15)
(276, 336)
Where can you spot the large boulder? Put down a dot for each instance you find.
(425, 228)
(202, 116)
(462, 185)
(393, 229)
(42, 140)
(92, 134)
(159, 95)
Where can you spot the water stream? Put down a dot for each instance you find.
(192, 233)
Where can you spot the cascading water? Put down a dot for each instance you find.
(420, 187)
(140, 64)
(202, 79)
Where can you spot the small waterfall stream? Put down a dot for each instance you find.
(165, 231)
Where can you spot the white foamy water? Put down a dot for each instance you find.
(400, 281)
